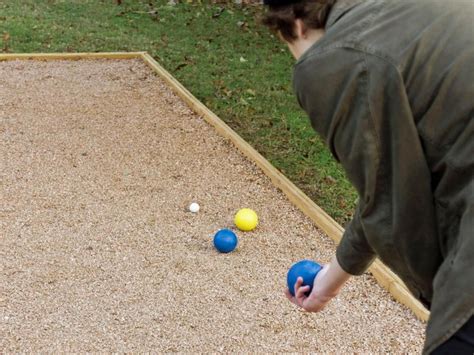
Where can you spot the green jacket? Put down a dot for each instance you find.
(390, 87)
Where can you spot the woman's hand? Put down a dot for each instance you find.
(326, 286)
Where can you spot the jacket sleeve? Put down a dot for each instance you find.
(332, 88)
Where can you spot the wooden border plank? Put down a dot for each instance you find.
(384, 276)
(70, 56)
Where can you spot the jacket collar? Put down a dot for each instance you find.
(340, 8)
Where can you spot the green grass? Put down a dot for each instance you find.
(220, 53)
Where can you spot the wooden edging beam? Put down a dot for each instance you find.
(329, 226)
(71, 56)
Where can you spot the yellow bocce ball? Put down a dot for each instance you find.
(246, 219)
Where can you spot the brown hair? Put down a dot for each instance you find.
(281, 19)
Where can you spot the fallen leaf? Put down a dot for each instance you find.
(219, 12)
(244, 102)
(330, 179)
(179, 66)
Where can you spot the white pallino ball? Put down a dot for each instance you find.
(194, 207)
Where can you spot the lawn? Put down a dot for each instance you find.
(218, 52)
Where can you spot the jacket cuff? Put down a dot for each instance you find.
(353, 260)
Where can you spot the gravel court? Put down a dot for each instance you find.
(99, 161)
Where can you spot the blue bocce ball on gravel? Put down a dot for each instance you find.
(225, 241)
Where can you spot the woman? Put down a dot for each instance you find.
(389, 85)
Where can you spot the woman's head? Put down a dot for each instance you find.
(282, 15)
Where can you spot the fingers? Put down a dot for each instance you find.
(300, 292)
(301, 299)
(299, 282)
(289, 295)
